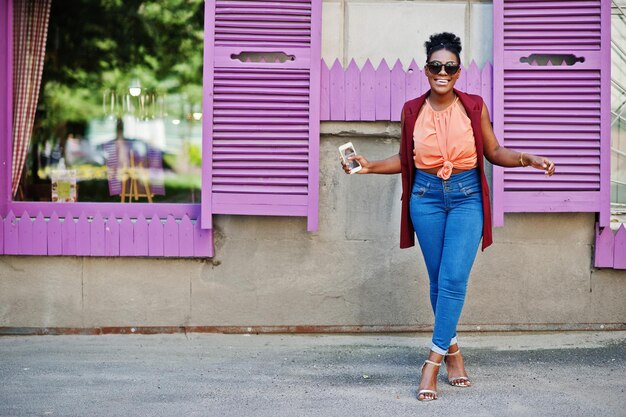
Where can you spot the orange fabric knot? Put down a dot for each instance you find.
(446, 170)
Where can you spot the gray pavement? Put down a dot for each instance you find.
(527, 374)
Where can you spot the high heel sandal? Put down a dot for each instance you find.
(430, 391)
(458, 381)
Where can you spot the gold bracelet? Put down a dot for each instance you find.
(521, 159)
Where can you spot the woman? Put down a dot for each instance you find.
(445, 198)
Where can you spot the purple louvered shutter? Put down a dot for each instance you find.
(261, 107)
(551, 98)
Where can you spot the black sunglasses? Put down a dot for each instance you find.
(435, 67)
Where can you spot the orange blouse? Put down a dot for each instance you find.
(444, 138)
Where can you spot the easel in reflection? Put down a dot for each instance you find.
(131, 177)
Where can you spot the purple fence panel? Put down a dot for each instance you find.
(11, 237)
(604, 248)
(398, 90)
(40, 236)
(155, 237)
(83, 236)
(383, 93)
(141, 236)
(112, 237)
(473, 79)
(325, 92)
(96, 236)
(486, 87)
(55, 235)
(127, 245)
(1, 235)
(353, 92)
(337, 93)
(202, 241)
(185, 237)
(25, 234)
(68, 235)
(368, 92)
(412, 81)
(619, 248)
(170, 237)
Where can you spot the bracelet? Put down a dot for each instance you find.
(521, 159)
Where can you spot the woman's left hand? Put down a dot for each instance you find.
(539, 162)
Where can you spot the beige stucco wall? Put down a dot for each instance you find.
(268, 271)
(391, 29)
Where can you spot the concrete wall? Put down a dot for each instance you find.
(269, 271)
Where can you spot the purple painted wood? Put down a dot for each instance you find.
(1, 235)
(155, 237)
(112, 237)
(40, 236)
(25, 234)
(127, 240)
(141, 237)
(473, 79)
(605, 117)
(383, 91)
(170, 237)
(90, 209)
(486, 87)
(314, 118)
(604, 248)
(535, 116)
(353, 92)
(274, 104)
(325, 91)
(368, 92)
(619, 248)
(337, 93)
(68, 235)
(83, 238)
(461, 83)
(55, 235)
(11, 236)
(6, 109)
(202, 241)
(412, 81)
(185, 237)
(398, 90)
(97, 236)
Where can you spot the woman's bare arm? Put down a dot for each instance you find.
(499, 155)
(390, 165)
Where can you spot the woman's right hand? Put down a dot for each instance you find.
(361, 160)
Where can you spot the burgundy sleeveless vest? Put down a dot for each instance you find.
(473, 105)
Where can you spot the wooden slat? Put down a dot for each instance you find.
(155, 233)
(68, 234)
(55, 235)
(185, 237)
(25, 234)
(141, 236)
(112, 236)
(170, 237)
(127, 239)
(96, 235)
(40, 235)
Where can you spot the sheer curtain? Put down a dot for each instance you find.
(30, 30)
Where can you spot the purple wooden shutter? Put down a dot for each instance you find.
(261, 107)
(551, 98)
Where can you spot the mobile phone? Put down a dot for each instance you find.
(346, 151)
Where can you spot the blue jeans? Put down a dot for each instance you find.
(448, 219)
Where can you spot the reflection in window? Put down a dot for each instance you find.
(119, 111)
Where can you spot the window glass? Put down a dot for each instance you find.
(119, 112)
